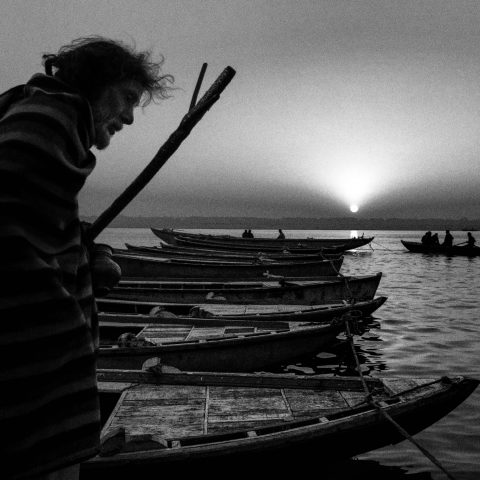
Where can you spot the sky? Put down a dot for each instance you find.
(334, 104)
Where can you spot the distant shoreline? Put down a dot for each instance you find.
(346, 223)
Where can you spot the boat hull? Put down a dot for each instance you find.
(219, 255)
(244, 422)
(142, 267)
(418, 247)
(238, 350)
(313, 292)
(173, 237)
(135, 312)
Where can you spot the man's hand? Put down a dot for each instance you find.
(105, 272)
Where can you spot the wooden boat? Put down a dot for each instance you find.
(193, 345)
(166, 251)
(174, 237)
(142, 267)
(186, 242)
(292, 292)
(254, 251)
(150, 312)
(174, 423)
(169, 235)
(208, 245)
(418, 247)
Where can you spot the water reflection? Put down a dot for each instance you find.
(339, 359)
(369, 469)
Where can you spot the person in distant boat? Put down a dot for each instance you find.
(281, 235)
(250, 234)
(470, 240)
(245, 234)
(427, 238)
(435, 241)
(448, 240)
(50, 415)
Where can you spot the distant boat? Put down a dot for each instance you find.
(174, 237)
(418, 247)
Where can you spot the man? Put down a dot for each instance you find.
(470, 240)
(281, 235)
(427, 238)
(49, 411)
(448, 240)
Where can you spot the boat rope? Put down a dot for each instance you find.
(386, 248)
(351, 299)
(370, 400)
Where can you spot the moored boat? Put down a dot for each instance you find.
(150, 312)
(174, 237)
(221, 255)
(418, 247)
(299, 249)
(197, 346)
(173, 422)
(150, 267)
(292, 292)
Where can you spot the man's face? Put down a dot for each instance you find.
(113, 109)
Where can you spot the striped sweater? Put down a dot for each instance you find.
(49, 412)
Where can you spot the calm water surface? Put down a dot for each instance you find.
(428, 327)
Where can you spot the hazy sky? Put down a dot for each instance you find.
(373, 103)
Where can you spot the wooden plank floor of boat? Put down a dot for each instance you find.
(179, 333)
(177, 411)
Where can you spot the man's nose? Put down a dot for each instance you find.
(127, 116)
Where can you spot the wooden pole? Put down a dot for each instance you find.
(164, 153)
(197, 86)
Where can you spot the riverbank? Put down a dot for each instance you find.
(344, 223)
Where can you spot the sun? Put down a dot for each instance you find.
(354, 208)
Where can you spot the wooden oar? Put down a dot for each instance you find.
(193, 116)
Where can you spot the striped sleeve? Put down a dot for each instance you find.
(49, 413)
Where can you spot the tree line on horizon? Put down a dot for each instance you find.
(341, 223)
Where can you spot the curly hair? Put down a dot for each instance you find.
(90, 64)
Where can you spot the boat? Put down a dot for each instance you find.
(208, 245)
(134, 266)
(166, 251)
(454, 250)
(197, 346)
(175, 237)
(132, 312)
(289, 291)
(156, 421)
(187, 242)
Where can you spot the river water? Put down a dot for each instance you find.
(429, 326)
